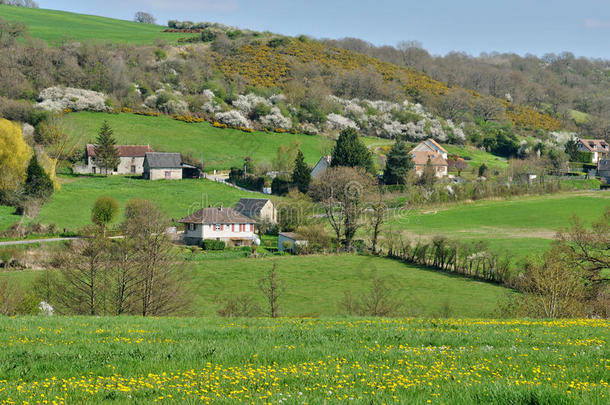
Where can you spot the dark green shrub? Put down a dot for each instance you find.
(211, 244)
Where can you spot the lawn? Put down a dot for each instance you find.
(60, 26)
(315, 285)
(7, 217)
(329, 360)
(517, 226)
(221, 148)
(476, 157)
(70, 207)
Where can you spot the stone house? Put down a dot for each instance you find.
(259, 209)
(132, 160)
(162, 165)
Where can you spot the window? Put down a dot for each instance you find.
(168, 175)
(93, 169)
(133, 168)
(218, 227)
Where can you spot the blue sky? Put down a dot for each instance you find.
(473, 26)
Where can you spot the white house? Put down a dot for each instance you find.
(257, 209)
(219, 223)
(162, 165)
(598, 148)
(288, 241)
(132, 160)
(430, 151)
(320, 167)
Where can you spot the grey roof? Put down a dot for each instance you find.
(216, 215)
(165, 160)
(603, 164)
(251, 207)
(292, 235)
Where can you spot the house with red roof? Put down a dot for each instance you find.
(132, 160)
(598, 148)
(430, 151)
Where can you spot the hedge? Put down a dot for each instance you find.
(212, 244)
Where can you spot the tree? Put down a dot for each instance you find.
(286, 157)
(104, 211)
(14, 156)
(398, 165)
(483, 170)
(273, 287)
(571, 149)
(82, 287)
(143, 17)
(428, 175)
(301, 176)
(488, 109)
(457, 163)
(162, 284)
(376, 215)
(351, 152)
(38, 184)
(341, 193)
(106, 153)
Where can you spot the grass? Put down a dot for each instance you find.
(221, 148)
(70, 207)
(7, 217)
(330, 360)
(57, 27)
(315, 285)
(477, 157)
(518, 226)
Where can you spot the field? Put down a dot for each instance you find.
(520, 225)
(60, 26)
(221, 148)
(476, 157)
(315, 285)
(70, 207)
(295, 361)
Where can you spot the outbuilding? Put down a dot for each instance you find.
(289, 241)
(162, 165)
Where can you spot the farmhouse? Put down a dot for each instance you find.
(430, 151)
(219, 223)
(162, 165)
(132, 160)
(320, 167)
(258, 209)
(288, 241)
(598, 148)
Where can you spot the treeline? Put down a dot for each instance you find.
(554, 83)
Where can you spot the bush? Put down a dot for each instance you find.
(280, 186)
(211, 244)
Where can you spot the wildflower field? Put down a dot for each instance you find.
(295, 361)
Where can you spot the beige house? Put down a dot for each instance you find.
(131, 160)
(162, 165)
(598, 148)
(259, 209)
(430, 151)
(220, 223)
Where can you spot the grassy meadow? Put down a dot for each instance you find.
(221, 148)
(70, 207)
(57, 27)
(327, 360)
(315, 285)
(519, 226)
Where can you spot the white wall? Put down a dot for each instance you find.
(206, 231)
(123, 168)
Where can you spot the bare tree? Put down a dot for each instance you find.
(143, 17)
(273, 287)
(162, 287)
(82, 286)
(341, 193)
(379, 300)
(125, 277)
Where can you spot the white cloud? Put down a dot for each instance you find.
(191, 5)
(595, 24)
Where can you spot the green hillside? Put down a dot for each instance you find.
(315, 285)
(59, 26)
(70, 207)
(222, 148)
(518, 226)
(78, 360)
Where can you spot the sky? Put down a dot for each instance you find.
(472, 26)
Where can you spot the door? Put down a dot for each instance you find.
(168, 175)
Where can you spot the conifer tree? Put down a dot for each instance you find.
(106, 154)
(38, 184)
(301, 176)
(351, 152)
(398, 164)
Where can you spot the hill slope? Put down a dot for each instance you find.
(60, 26)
